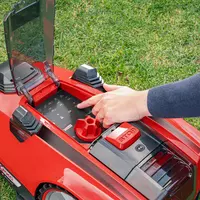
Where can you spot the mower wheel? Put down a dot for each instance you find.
(53, 192)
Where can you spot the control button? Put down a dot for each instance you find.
(87, 129)
(140, 148)
(123, 136)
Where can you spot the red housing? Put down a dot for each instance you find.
(34, 162)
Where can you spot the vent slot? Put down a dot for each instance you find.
(166, 168)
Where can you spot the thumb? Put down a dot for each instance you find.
(110, 87)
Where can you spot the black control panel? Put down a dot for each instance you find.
(62, 110)
(122, 162)
(148, 165)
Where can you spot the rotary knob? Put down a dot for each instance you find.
(88, 129)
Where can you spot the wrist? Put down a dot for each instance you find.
(143, 103)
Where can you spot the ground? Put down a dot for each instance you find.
(139, 43)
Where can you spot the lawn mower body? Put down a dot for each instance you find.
(50, 150)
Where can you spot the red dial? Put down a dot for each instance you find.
(88, 129)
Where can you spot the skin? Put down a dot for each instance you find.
(118, 104)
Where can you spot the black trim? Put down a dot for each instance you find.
(84, 163)
(6, 82)
(101, 88)
(20, 134)
(18, 197)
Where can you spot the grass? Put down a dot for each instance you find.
(140, 43)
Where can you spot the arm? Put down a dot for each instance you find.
(175, 100)
(118, 104)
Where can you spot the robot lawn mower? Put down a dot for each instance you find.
(50, 150)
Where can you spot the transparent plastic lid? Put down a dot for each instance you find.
(29, 35)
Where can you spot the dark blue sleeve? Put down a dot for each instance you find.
(175, 100)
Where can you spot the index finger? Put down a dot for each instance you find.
(90, 102)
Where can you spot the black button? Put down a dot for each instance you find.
(140, 148)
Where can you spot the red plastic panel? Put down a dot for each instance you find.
(124, 136)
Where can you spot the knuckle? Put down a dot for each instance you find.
(94, 111)
(100, 114)
(99, 117)
(108, 118)
(106, 123)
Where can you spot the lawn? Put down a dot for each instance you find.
(139, 43)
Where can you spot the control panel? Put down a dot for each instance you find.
(62, 110)
(133, 152)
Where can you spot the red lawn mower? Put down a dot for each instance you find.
(50, 150)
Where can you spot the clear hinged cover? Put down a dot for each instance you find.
(29, 34)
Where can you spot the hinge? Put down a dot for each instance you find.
(51, 74)
(22, 89)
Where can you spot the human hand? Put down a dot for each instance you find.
(117, 105)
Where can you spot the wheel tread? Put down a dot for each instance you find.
(47, 186)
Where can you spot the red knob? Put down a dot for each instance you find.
(87, 129)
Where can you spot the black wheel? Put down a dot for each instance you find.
(52, 192)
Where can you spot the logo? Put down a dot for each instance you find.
(126, 136)
(8, 176)
(123, 136)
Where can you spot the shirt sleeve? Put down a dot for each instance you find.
(176, 100)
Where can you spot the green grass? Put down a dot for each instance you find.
(140, 43)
